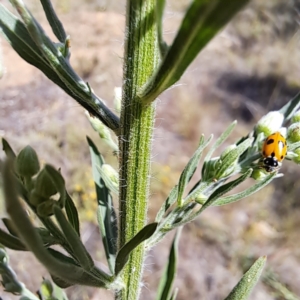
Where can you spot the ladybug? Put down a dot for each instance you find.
(274, 151)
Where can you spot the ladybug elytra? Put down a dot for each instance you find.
(274, 151)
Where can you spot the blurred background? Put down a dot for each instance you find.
(250, 68)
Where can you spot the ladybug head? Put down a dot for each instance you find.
(271, 164)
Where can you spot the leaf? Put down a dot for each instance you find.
(63, 75)
(201, 23)
(79, 251)
(167, 204)
(11, 241)
(190, 169)
(6, 148)
(244, 287)
(231, 158)
(106, 215)
(160, 5)
(9, 226)
(291, 107)
(247, 192)
(72, 213)
(141, 236)
(225, 189)
(53, 20)
(166, 282)
(59, 184)
(174, 295)
(70, 273)
(112, 185)
(220, 140)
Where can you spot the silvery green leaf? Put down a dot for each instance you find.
(190, 169)
(225, 189)
(244, 287)
(166, 282)
(291, 107)
(167, 204)
(72, 213)
(247, 192)
(201, 23)
(160, 5)
(230, 160)
(220, 140)
(53, 20)
(124, 252)
(72, 237)
(106, 215)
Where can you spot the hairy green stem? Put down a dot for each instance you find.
(141, 58)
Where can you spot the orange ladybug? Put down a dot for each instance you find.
(274, 151)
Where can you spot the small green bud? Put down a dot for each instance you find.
(102, 130)
(118, 99)
(45, 209)
(258, 174)
(270, 123)
(46, 289)
(209, 169)
(44, 185)
(293, 133)
(111, 176)
(46, 236)
(201, 198)
(35, 199)
(296, 117)
(27, 163)
(227, 151)
(297, 158)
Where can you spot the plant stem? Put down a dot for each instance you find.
(137, 121)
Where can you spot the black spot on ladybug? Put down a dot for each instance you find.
(281, 156)
(270, 141)
(264, 153)
(273, 154)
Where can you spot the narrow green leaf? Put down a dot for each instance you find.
(293, 146)
(111, 185)
(10, 227)
(232, 157)
(53, 20)
(7, 149)
(220, 140)
(167, 204)
(201, 23)
(243, 289)
(166, 282)
(141, 236)
(247, 192)
(80, 252)
(225, 189)
(72, 213)
(59, 184)
(190, 169)
(291, 107)
(11, 241)
(106, 215)
(160, 6)
(21, 41)
(174, 295)
(71, 274)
